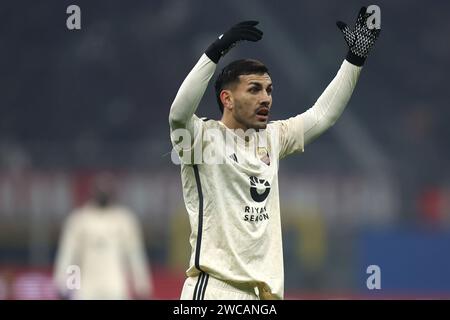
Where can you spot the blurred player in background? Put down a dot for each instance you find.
(104, 240)
(233, 205)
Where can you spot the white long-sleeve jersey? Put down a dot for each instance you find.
(106, 245)
(234, 206)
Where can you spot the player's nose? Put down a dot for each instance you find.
(265, 98)
(265, 101)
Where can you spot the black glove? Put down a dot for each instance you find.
(361, 39)
(242, 31)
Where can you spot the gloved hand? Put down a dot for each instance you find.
(245, 30)
(359, 40)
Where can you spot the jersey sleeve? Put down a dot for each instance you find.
(188, 143)
(185, 127)
(289, 134)
(296, 132)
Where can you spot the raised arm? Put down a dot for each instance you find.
(331, 103)
(190, 93)
(195, 84)
(298, 131)
(333, 100)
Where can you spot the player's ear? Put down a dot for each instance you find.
(227, 99)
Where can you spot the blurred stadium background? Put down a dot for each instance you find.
(372, 190)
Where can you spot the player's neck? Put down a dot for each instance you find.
(230, 122)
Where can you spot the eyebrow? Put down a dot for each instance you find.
(258, 84)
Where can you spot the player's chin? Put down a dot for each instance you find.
(258, 125)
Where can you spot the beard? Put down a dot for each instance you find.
(249, 121)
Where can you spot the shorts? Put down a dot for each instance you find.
(205, 287)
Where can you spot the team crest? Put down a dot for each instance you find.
(263, 155)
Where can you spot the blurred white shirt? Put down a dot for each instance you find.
(107, 245)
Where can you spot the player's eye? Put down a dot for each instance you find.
(253, 89)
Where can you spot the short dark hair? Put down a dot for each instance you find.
(230, 74)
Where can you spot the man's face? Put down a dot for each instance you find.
(252, 100)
